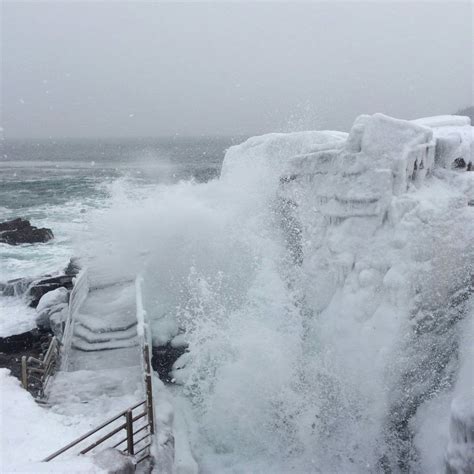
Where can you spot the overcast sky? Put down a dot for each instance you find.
(147, 69)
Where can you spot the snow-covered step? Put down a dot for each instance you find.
(97, 325)
(83, 332)
(115, 296)
(82, 345)
(110, 359)
(84, 385)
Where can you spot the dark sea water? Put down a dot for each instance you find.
(38, 173)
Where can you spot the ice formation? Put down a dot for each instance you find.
(324, 286)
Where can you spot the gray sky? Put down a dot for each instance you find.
(146, 69)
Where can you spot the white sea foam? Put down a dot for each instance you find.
(15, 316)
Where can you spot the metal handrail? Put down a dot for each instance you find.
(127, 426)
(43, 366)
(76, 298)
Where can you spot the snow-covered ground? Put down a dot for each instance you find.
(30, 432)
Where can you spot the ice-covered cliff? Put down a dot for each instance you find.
(384, 242)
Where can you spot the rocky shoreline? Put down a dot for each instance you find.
(49, 294)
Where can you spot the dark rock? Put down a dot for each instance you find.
(12, 348)
(20, 231)
(40, 287)
(459, 163)
(73, 267)
(163, 358)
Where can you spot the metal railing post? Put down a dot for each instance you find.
(149, 388)
(129, 428)
(24, 373)
(149, 404)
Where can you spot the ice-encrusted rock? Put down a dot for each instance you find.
(354, 184)
(371, 225)
(52, 309)
(40, 287)
(52, 298)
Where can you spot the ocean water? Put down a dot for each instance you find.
(57, 183)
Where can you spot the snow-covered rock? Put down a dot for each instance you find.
(52, 310)
(52, 298)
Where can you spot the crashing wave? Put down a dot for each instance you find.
(323, 286)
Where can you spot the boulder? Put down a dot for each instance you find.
(73, 267)
(165, 356)
(52, 299)
(39, 288)
(20, 231)
(52, 310)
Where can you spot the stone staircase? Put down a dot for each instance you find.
(103, 366)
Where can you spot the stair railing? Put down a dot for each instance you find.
(140, 448)
(77, 297)
(128, 422)
(36, 373)
(144, 336)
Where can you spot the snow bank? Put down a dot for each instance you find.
(30, 432)
(81, 465)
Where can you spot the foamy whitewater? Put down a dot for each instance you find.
(324, 286)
